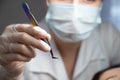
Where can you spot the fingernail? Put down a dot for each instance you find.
(42, 31)
(48, 37)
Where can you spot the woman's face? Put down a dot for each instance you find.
(95, 3)
(112, 74)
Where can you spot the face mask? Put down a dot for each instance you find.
(72, 23)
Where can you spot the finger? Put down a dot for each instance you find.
(41, 33)
(17, 57)
(26, 39)
(8, 58)
(22, 49)
(32, 30)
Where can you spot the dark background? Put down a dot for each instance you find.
(11, 11)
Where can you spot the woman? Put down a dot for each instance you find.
(82, 44)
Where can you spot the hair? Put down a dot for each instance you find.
(99, 74)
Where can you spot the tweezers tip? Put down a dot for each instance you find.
(54, 57)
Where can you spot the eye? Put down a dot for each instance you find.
(114, 77)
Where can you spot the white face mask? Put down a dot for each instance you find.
(72, 23)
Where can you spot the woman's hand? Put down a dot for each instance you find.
(17, 45)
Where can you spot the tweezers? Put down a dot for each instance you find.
(35, 23)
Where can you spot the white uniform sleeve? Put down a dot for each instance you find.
(115, 47)
(111, 41)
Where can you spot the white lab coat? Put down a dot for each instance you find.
(97, 52)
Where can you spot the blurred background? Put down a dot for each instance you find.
(11, 12)
(111, 12)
